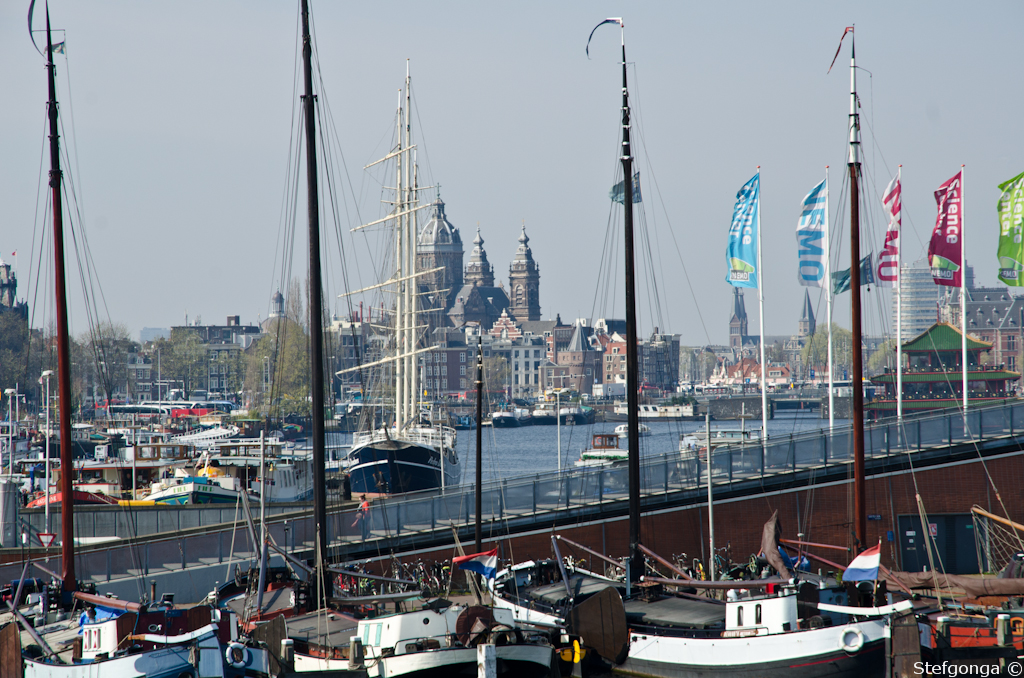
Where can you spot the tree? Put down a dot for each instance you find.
(183, 358)
(884, 356)
(283, 352)
(774, 353)
(19, 354)
(106, 347)
(815, 351)
(496, 373)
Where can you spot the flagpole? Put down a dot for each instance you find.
(963, 297)
(899, 306)
(828, 312)
(760, 309)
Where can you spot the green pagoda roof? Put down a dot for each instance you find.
(943, 337)
(952, 376)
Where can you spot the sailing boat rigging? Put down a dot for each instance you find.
(802, 627)
(410, 454)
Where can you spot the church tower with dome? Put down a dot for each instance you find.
(524, 282)
(439, 246)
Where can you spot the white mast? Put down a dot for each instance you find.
(412, 414)
(963, 296)
(828, 312)
(899, 306)
(399, 274)
(760, 308)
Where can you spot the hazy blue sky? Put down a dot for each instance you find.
(182, 112)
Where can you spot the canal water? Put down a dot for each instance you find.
(510, 452)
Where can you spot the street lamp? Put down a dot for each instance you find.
(11, 396)
(46, 507)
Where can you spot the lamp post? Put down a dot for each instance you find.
(11, 397)
(46, 489)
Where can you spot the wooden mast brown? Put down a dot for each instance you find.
(67, 520)
(859, 502)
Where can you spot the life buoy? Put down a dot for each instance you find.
(236, 655)
(852, 639)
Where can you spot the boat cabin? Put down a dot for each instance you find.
(428, 629)
(746, 615)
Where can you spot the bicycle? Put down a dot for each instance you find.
(698, 570)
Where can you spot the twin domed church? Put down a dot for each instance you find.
(456, 295)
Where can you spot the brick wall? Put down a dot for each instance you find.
(951, 489)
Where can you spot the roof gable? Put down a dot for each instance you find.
(943, 337)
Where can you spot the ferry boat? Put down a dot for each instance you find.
(603, 450)
(658, 412)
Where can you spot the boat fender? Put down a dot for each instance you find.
(236, 655)
(852, 639)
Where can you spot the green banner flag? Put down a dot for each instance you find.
(1011, 231)
(841, 279)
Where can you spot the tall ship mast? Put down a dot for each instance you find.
(316, 331)
(409, 454)
(68, 581)
(856, 368)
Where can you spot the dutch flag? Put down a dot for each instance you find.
(485, 563)
(865, 566)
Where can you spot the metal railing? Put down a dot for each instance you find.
(573, 489)
(675, 478)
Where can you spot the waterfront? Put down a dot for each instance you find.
(512, 452)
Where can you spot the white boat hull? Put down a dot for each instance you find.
(514, 661)
(801, 654)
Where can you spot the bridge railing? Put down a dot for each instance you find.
(580, 492)
(576, 488)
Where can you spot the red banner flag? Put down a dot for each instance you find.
(944, 248)
(888, 259)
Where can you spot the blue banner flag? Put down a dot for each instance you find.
(810, 237)
(741, 254)
(618, 192)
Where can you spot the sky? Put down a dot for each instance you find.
(182, 118)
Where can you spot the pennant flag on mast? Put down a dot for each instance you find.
(944, 248)
(810, 238)
(841, 279)
(741, 253)
(618, 192)
(485, 563)
(1011, 231)
(888, 260)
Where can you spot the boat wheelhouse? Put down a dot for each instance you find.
(604, 450)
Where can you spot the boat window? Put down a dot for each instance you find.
(377, 641)
(757, 614)
(739, 615)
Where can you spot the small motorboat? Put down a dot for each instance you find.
(622, 430)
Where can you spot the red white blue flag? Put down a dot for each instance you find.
(865, 566)
(485, 563)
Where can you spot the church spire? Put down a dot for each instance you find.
(807, 323)
(524, 281)
(479, 271)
